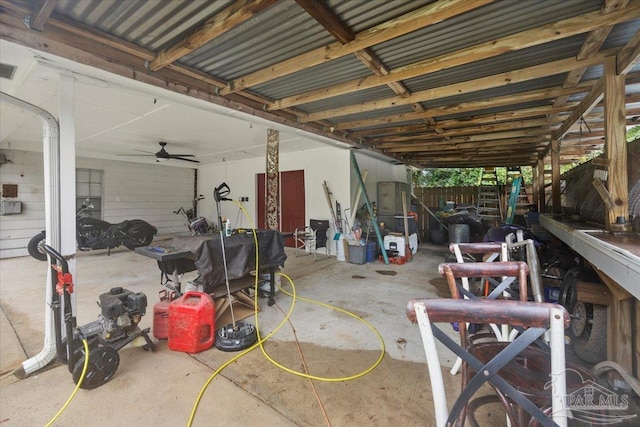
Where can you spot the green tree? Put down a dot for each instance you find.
(454, 177)
(447, 177)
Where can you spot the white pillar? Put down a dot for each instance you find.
(66, 97)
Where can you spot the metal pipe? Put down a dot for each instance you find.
(51, 151)
(534, 268)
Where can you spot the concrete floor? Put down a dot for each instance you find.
(160, 388)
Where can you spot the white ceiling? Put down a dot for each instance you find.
(117, 117)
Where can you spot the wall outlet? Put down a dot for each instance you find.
(243, 199)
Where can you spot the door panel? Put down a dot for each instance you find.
(292, 202)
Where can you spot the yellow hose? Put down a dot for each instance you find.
(75, 390)
(260, 341)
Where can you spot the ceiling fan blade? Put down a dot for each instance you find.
(136, 155)
(173, 156)
(181, 155)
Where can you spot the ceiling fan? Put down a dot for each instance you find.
(163, 155)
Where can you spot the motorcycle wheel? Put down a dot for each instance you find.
(143, 241)
(33, 247)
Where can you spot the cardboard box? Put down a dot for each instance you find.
(395, 242)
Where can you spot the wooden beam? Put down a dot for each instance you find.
(534, 185)
(472, 130)
(629, 55)
(554, 31)
(510, 143)
(321, 12)
(238, 12)
(590, 101)
(468, 121)
(615, 142)
(555, 176)
(493, 81)
(591, 46)
(102, 51)
(481, 137)
(414, 20)
(42, 10)
(541, 187)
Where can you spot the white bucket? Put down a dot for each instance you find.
(340, 256)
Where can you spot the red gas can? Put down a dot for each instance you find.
(161, 315)
(191, 322)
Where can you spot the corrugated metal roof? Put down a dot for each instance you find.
(280, 32)
(343, 69)
(478, 26)
(284, 30)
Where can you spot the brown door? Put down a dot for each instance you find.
(292, 206)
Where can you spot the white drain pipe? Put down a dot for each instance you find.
(51, 150)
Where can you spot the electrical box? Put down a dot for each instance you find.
(390, 197)
(9, 207)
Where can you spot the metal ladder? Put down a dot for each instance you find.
(518, 202)
(489, 208)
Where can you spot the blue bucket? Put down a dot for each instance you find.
(371, 251)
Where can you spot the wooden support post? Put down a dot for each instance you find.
(622, 325)
(272, 178)
(615, 142)
(555, 176)
(541, 190)
(534, 185)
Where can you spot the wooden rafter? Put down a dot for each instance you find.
(555, 31)
(420, 18)
(232, 16)
(42, 10)
(468, 121)
(334, 25)
(591, 46)
(624, 62)
(489, 82)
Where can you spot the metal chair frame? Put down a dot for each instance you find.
(311, 237)
(535, 319)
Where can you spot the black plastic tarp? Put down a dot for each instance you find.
(239, 252)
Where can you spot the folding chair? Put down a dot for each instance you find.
(520, 373)
(312, 237)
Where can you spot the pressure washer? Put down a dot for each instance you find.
(238, 335)
(117, 326)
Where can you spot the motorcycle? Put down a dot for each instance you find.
(196, 225)
(92, 233)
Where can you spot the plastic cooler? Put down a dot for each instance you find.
(191, 323)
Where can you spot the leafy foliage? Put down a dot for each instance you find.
(447, 177)
(458, 177)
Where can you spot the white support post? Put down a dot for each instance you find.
(66, 97)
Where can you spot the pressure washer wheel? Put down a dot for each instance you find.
(228, 338)
(103, 364)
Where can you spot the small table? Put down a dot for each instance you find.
(204, 253)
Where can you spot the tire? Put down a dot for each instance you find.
(568, 296)
(143, 241)
(588, 332)
(33, 247)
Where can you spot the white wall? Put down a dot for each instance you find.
(330, 164)
(324, 164)
(130, 190)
